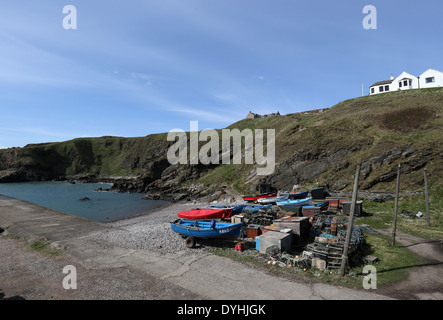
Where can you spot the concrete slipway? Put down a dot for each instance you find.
(109, 271)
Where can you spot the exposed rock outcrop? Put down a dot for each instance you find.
(317, 149)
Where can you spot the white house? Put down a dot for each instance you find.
(431, 78)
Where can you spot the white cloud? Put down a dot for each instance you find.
(43, 132)
(24, 63)
(199, 114)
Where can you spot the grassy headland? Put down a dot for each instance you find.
(311, 149)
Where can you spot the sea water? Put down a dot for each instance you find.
(65, 197)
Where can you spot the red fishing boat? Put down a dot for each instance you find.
(260, 196)
(205, 213)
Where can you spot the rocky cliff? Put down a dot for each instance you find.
(310, 150)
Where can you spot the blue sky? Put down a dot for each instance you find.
(146, 66)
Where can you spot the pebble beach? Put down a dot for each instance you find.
(151, 231)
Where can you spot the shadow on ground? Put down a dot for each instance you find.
(2, 297)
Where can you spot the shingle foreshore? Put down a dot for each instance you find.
(151, 231)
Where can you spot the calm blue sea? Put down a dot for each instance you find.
(65, 197)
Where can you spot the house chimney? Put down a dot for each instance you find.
(392, 76)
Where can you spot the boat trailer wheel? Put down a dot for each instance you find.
(190, 242)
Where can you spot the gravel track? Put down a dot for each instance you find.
(28, 274)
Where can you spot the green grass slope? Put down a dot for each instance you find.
(407, 124)
(101, 157)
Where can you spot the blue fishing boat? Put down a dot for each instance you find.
(239, 208)
(296, 203)
(284, 196)
(192, 229)
(273, 200)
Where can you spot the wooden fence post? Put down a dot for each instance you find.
(428, 219)
(344, 260)
(396, 206)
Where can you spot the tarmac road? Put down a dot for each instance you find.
(109, 271)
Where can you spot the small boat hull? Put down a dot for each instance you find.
(320, 206)
(219, 206)
(273, 199)
(256, 208)
(300, 195)
(239, 208)
(204, 229)
(205, 213)
(260, 196)
(295, 203)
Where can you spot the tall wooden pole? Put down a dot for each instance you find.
(428, 220)
(394, 231)
(344, 261)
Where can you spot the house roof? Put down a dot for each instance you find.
(382, 83)
(430, 69)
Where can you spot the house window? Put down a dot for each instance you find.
(386, 88)
(400, 84)
(405, 83)
(410, 82)
(372, 90)
(380, 89)
(429, 80)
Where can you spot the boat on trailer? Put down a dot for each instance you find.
(192, 229)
